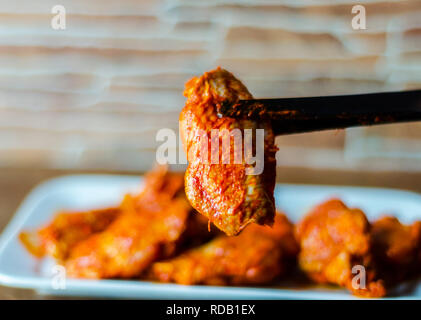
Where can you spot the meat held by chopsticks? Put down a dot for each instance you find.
(257, 256)
(334, 239)
(225, 193)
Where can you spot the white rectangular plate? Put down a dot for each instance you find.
(19, 269)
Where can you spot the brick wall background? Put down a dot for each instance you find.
(95, 94)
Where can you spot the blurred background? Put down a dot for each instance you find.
(92, 97)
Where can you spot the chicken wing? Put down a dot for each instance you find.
(151, 226)
(131, 243)
(224, 192)
(397, 248)
(65, 231)
(257, 256)
(334, 239)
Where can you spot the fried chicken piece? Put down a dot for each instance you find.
(131, 243)
(67, 228)
(334, 239)
(397, 248)
(227, 194)
(257, 256)
(151, 226)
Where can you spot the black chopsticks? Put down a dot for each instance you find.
(295, 115)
